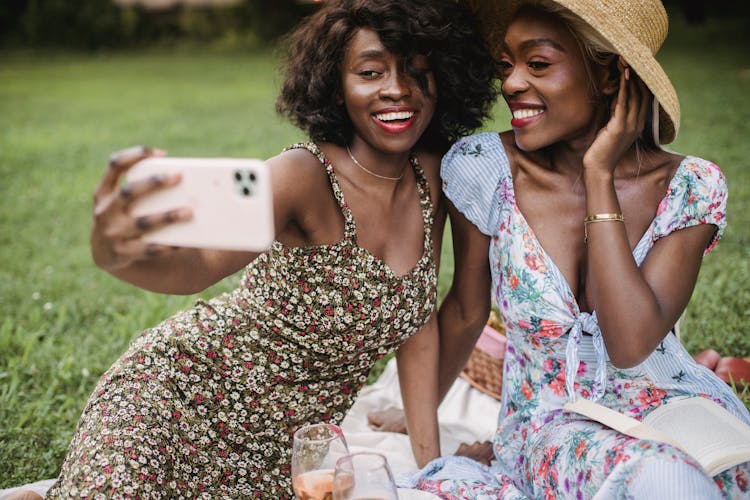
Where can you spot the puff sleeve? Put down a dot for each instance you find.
(696, 195)
(471, 172)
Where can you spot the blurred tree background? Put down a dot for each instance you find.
(106, 24)
(98, 24)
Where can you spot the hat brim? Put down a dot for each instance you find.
(494, 16)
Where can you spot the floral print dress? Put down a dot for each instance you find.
(205, 404)
(555, 351)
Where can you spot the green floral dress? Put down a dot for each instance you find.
(205, 404)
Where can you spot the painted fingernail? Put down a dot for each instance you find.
(149, 151)
(152, 250)
(142, 223)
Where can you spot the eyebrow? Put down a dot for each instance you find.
(537, 42)
(370, 53)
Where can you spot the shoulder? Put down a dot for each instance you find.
(299, 174)
(429, 161)
(301, 162)
(695, 182)
(480, 147)
(475, 156)
(697, 194)
(703, 172)
(472, 172)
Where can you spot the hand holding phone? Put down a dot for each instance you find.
(231, 200)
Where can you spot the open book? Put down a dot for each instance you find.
(701, 428)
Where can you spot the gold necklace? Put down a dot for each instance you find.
(373, 173)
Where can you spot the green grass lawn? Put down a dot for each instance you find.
(63, 322)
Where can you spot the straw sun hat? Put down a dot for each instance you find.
(635, 28)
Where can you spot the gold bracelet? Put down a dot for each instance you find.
(603, 217)
(599, 218)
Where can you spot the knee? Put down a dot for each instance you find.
(662, 471)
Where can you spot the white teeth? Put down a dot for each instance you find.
(526, 113)
(400, 115)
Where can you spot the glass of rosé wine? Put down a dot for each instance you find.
(316, 449)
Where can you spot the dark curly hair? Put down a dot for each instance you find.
(464, 70)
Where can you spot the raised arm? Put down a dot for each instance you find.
(636, 307)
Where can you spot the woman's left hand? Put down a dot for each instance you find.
(626, 123)
(480, 452)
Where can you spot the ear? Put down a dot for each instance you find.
(609, 76)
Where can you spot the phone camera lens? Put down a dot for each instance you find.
(246, 191)
(252, 177)
(238, 175)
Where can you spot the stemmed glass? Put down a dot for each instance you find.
(363, 476)
(315, 451)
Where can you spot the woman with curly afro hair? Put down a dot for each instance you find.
(205, 404)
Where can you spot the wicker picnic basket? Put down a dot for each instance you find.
(484, 369)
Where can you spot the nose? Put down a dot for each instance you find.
(396, 85)
(514, 81)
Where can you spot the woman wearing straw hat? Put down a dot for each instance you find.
(594, 236)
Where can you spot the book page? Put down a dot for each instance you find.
(705, 430)
(711, 435)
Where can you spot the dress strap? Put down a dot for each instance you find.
(425, 202)
(588, 323)
(350, 228)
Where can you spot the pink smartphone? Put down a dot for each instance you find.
(231, 199)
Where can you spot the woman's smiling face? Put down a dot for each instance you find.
(387, 107)
(546, 83)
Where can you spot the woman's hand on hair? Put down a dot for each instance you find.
(627, 121)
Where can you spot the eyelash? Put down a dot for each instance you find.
(505, 66)
(369, 74)
(538, 65)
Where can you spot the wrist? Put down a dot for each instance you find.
(598, 176)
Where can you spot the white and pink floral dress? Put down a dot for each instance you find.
(555, 350)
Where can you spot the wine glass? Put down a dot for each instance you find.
(363, 476)
(315, 451)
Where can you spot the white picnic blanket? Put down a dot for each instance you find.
(466, 415)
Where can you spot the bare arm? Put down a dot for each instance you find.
(464, 311)
(418, 374)
(116, 239)
(418, 357)
(636, 307)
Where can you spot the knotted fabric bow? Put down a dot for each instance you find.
(585, 322)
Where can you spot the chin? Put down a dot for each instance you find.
(527, 145)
